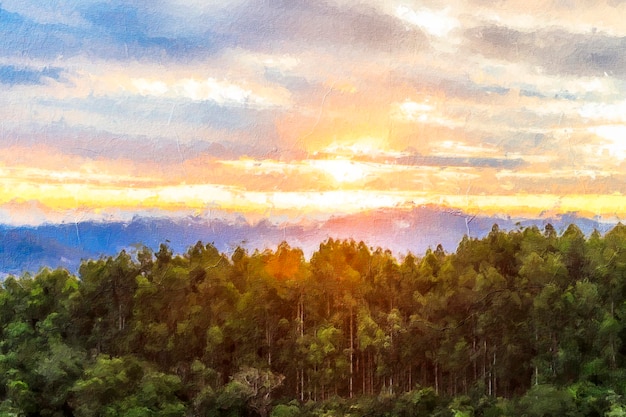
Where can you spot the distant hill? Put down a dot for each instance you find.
(401, 230)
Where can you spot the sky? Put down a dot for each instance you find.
(299, 109)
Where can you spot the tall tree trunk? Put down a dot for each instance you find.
(536, 367)
(475, 357)
(371, 373)
(301, 314)
(351, 353)
(436, 378)
(410, 387)
(268, 339)
(493, 371)
(363, 370)
(485, 363)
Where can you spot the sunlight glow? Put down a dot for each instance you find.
(91, 198)
(342, 170)
(368, 146)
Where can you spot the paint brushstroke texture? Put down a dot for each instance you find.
(293, 110)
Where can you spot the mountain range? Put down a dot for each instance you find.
(29, 248)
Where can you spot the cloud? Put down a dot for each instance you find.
(87, 141)
(182, 31)
(11, 75)
(613, 144)
(313, 24)
(113, 30)
(23, 37)
(576, 16)
(49, 12)
(454, 161)
(221, 92)
(604, 111)
(436, 23)
(555, 50)
(296, 97)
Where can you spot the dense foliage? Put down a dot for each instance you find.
(524, 322)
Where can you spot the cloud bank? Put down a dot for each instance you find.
(295, 108)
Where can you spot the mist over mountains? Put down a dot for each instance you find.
(28, 248)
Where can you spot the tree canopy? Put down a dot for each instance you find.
(520, 322)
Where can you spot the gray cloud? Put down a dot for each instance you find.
(321, 24)
(133, 30)
(95, 143)
(555, 50)
(450, 161)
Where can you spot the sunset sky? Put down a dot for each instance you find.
(292, 109)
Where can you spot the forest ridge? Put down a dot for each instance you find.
(520, 322)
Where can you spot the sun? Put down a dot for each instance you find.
(343, 171)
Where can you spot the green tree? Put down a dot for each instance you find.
(126, 386)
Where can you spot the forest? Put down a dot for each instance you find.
(525, 322)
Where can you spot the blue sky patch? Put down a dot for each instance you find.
(11, 75)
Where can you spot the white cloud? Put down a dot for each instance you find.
(421, 112)
(615, 140)
(604, 111)
(258, 61)
(222, 92)
(363, 146)
(436, 23)
(148, 87)
(218, 91)
(555, 173)
(460, 149)
(413, 111)
(532, 15)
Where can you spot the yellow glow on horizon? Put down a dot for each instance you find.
(318, 186)
(94, 197)
(324, 173)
